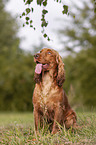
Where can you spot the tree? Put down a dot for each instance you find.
(80, 75)
(7, 38)
(16, 67)
(82, 65)
(81, 34)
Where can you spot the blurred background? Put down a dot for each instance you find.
(73, 36)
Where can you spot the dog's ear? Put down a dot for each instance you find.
(37, 78)
(61, 73)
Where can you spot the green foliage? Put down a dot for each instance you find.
(80, 67)
(87, 76)
(80, 74)
(7, 38)
(16, 82)
(16, 67)
(65, 11)
(82, 32)
(44, 23)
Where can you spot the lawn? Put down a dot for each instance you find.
(18, 129)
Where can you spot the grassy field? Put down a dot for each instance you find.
(18, 129)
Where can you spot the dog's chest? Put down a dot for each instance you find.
(46, 93)
(46, 86)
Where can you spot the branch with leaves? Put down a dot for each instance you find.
(44, 22)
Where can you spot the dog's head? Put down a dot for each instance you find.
(49, 60)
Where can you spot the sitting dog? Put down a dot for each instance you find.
(49, 98)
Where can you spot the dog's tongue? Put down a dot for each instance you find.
(38, 68)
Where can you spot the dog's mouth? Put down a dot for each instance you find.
(40, 66)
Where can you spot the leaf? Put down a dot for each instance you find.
(28, 2)
(23, 25)
(44, 24)
(32, 10)
(45, 35)
(27, 18)
(42, 19)
(43, 16)
(44, 11)
(31, 25)
(24, 1)
(39, 2)
(23, 14)
(48, 39)
(65, 11)
(31, 21)
(27, 23)
(28, 10)
(45, 3)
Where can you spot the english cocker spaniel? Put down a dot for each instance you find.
(49, 99)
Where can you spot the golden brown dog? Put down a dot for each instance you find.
(49, 98)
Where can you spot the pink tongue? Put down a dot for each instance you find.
(38, 68)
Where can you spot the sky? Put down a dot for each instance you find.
(30, 37)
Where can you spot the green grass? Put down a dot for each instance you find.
(18, 129)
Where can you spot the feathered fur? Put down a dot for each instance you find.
(49, 98)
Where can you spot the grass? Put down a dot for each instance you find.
(18, 129)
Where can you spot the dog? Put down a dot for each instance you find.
(49, 99)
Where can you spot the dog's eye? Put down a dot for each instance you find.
(49, 52)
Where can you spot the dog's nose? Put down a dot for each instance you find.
(36, 55)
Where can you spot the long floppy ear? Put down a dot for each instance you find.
(61, 73)
(37, 78)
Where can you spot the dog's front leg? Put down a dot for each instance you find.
(36, 118)
(57, 119)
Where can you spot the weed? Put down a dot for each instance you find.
(18, 129)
